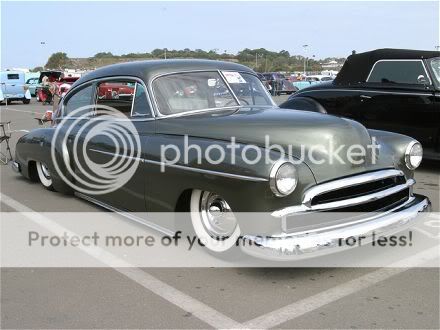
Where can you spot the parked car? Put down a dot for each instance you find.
(319, 78)
(13, 87)
(194, 101)
(61, 85)
(388, 89)
(280, 84)
(42, 92)
(32, 84)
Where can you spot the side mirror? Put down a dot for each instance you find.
(422, 80)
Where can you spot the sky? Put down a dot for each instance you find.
(82, 29)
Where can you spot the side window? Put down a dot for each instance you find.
(141, 106)
(116, 94)
(397, 72)
(80, 99)
(13, 76)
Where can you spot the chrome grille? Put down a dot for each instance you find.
(367, 192)
(358, 190)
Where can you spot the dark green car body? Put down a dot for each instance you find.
(245, 186)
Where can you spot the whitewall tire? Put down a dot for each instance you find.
(44, 175)
(213, 221)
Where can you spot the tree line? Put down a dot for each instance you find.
(259, 59)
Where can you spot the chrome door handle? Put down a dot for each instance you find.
(365, 97)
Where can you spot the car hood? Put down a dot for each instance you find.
(298, 132)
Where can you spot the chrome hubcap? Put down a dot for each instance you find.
(45, 171)
(217, 216)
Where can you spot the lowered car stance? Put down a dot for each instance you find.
(395, 90)
(209, 105)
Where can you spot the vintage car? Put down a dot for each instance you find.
(32, 84)
(61, 85)
(387, 89)
(181, 103)
(13, 87)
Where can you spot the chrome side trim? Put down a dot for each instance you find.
(126, 214)
(344, 183)
(209, 172)
(366, 90)
(187, 168)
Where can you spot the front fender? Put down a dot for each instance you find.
(232, 178)
(394, 144)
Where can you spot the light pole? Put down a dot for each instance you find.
(256, 59)
(43, 43)
(305, 58)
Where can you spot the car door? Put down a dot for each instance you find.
(115, 141)
(396, 98)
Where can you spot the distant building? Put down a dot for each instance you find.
(331, 65)
(25, 70)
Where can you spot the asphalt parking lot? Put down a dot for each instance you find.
(205, 297)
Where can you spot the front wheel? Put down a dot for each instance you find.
(26, 101)
(44, 175)
(213, 221)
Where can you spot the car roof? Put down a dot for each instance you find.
(148, 70)
(357, 66)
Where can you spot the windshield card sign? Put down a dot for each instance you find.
(233, 77)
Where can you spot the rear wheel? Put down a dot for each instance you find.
(26, 101)
(44, 175)
(213, 221)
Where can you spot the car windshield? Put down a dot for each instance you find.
(184, 92)
(435, 66)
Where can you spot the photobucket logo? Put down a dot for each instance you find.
(329, 153)
(95, 149)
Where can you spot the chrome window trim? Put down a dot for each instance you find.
(97, 80)
(160, 115)
(187, 168)
(194, 112)
(344, 183)
(142, 117)
(400, 60)
(67, 97)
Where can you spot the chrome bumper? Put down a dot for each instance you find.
(295, 246)
(15, 166)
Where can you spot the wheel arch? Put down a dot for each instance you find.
(305, 103)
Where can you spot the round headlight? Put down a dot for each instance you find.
(283, 178)
(413, 155)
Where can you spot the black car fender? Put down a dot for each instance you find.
(304, 103)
